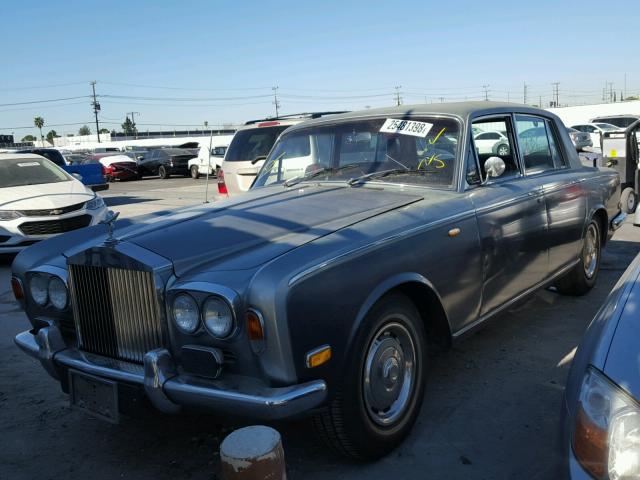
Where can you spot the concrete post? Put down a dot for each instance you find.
(253, 453)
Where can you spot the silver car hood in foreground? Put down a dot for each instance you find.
(622, 364)
(253, 229)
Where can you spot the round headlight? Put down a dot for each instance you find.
(218, 318)
(185, 313)
(58, 293)
(38, 288)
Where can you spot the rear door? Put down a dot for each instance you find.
(512, 223)
(565, 199)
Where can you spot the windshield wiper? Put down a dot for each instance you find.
(295, 180)
(386, 173)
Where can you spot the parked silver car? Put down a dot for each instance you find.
(581, 140)
(602, 399)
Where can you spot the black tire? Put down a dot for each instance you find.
(503, 150)
(628, 200)
(349, 425)
(195, 174)
(162, 171)
(580, 279)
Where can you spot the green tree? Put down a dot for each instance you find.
(129, 127)
(104, 130)
(28, 138)
(84, 130)
(51, 135)
(39, 123)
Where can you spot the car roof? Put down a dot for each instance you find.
(462, 110)
(13, 156)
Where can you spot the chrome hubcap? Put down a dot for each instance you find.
(631, 202)
(389, 373)
(590, 251)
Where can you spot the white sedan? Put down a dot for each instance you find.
(492, 142)
(38, 200)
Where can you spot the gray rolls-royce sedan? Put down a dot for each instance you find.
(367, 240)
(601, 408)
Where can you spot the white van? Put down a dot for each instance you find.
(207, 161)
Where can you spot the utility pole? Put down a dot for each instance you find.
(441, 99)
(96, 108)
(275, 100)
(610, 85)
(624, 95)
(133, 123)
(486, 92)
(524, 93)
(556, 94)
(398, 98)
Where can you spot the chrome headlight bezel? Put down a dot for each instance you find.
(212, 307)
(190, 324)
(95, 203)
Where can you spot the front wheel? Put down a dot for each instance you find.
(628, 200)
(583, 276)
(378, 399)
(164, 174)
(195, 174)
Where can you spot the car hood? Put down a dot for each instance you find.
(261, 225)
(44, 196)
(623, 359)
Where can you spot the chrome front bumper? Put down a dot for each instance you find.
(168, 390)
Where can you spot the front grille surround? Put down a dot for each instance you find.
(53, 211)
(116, 311)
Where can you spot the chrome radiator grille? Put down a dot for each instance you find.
(115, 311)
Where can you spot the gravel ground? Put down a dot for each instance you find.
(491, 409)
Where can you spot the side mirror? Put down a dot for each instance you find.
(77, 176)
(494, 166)
(258, 159)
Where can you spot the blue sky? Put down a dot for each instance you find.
(217, 61)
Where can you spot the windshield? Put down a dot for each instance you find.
(424, 150)
(18, 172)
(607, 127)
(248, 144)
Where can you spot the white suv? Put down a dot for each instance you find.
(249, 148)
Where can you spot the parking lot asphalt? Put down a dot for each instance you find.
(491, 409)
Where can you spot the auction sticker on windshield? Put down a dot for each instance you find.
(406, 127)
(29, 164)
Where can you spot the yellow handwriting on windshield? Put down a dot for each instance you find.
(434, 140)
(433, 159)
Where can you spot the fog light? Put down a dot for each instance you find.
(318, 356)
(38, 287)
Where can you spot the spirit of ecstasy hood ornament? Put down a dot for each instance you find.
(110, 221)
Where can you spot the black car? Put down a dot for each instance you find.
(166, 162)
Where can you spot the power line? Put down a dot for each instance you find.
(42, 86)
(32, 102)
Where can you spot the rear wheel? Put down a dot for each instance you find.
(628, 200)
(583, 276)
(162, 171)
(378, 399)
(195, 174)
(502, 150)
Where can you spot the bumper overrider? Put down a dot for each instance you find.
(168, 390)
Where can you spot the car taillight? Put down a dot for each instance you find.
(222, 187)
(107, 170)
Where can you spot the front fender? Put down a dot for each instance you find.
(383, 288)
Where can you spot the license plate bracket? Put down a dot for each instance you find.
(94, 395)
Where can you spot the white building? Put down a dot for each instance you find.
(584, 113)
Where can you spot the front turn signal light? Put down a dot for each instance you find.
(16, 286)
(318, 356)
(255, 330)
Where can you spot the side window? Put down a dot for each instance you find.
(556, 154)
(472, 172)
(534, 143)
(500, 144)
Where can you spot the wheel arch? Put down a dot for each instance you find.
(423, 294)
(599, 213)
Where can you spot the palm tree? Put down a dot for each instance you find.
(39, 122)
